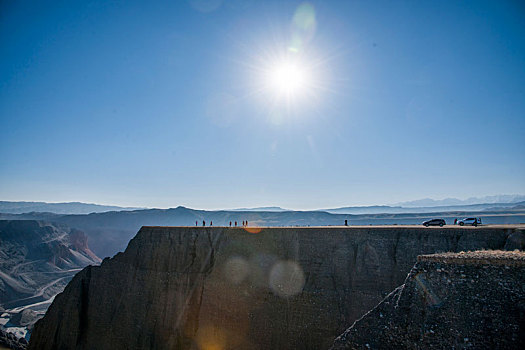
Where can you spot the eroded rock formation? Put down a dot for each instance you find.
(37, 260)
(204, 288)
(449, 301)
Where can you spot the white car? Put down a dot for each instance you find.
(470, 222)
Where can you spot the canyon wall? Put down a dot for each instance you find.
(235, 288)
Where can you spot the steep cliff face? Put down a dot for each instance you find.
(146, 298)
(220, 288)
(468, 300)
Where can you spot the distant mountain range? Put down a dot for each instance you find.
(426, 205)
(58, 208)
(385, 209)
(409, 208)
(261, 209)
(428, 202)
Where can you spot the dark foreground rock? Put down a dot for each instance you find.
(220, 288)
(449, 301)
(10, 341)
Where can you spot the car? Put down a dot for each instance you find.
(470, 222)
(434, 222)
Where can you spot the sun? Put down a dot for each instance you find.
(288, 79)
(288, 84)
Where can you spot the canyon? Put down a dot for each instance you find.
(258, 288)
(37, 260)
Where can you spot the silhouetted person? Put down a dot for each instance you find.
(196, 223)
(230, 224)
(235, 223)
(455, 221)
(246, 222)
(211, 223)
(346, 222)
(203, 223)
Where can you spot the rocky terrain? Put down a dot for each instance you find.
(449, 301)
(37, 260)
(11, 341)
(269, 288)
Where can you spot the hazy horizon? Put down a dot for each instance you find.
(407, 204)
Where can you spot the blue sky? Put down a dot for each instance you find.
(161, 104)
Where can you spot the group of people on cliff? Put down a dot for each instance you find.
(244, 223)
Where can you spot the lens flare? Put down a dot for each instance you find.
(236, 269)
(286, 279)
(426, 292)
(253, 229)
(211, 338)
(303, 28)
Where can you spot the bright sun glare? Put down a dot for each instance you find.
(289, 79)
(290, 76)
